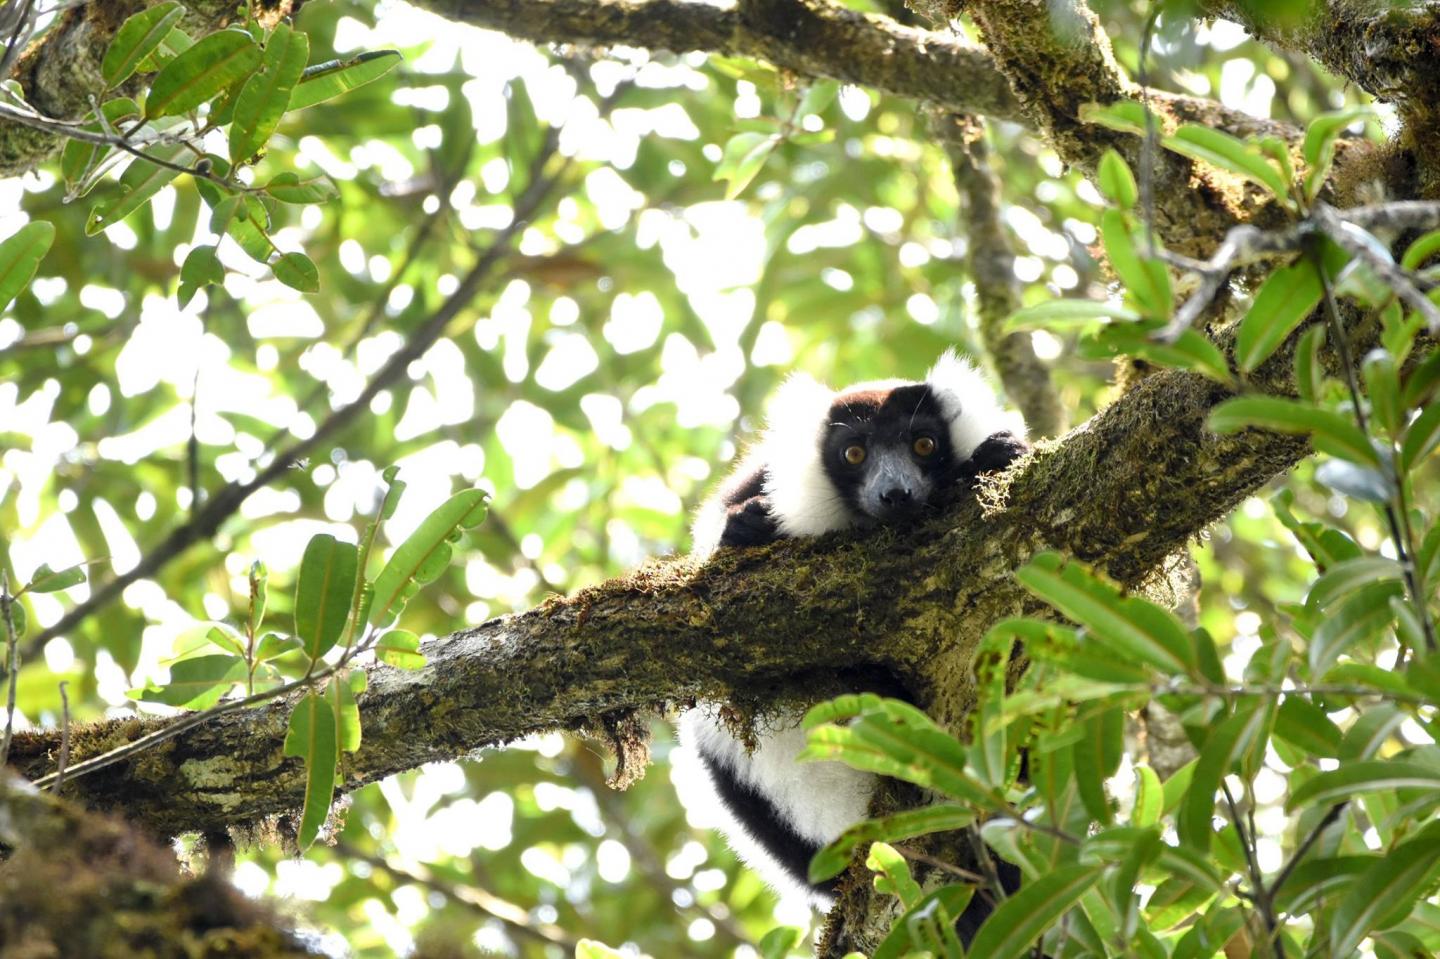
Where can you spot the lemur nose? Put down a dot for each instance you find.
(896, 496)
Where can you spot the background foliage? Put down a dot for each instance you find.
(708, 225)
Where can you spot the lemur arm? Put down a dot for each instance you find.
(995, 452)
(750, 523)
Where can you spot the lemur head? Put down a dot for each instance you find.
(875, 452)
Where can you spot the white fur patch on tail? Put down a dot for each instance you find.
(802, 498)
(970, 405)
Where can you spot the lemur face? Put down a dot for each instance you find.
(888, 450)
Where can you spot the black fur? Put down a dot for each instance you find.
(763, 822)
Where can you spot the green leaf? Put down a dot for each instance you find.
(289, 188)
(325, 80)
(1390, 886)
(1359, 618)
(201, 267)
(946, 903)
(312, 737)
(832, 860)
(20, 257)
(1220, 149)
(1096, 756)
(201, 72)
(1126, 116)
(1133, 627)
(141, 180)
(1367, 776)
(1331, 433)
(424, 555)
(137, 38)
(778, 942)
(399, 648)
(297, 271)
(1191, 350)
(1149, 797)
(1382, 384)
(1147, 280)
(1305, 725)
(340, 693)
(323, 591)
(894, 874)
(47, 580)
(745, 154)
(1421, 250)
(273, 646)
(932, 761)
(1422, 436)
(1117, 183)
(1226, 745)
(1059, 315)
(258, 582)
(173, 44)
(1284, 300)
(1012, 929)
(223, 637)
(1350, 575)
(197, 683)
(1309, 370)
(1319, 148)
(265, 97)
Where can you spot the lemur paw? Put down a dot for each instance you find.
(995, 453)
(750, 524)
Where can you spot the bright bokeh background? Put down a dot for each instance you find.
(596, 388)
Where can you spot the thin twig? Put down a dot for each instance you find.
(515, 918)
(1403, 552)
(64, 759)
(228, 498)
(1325, 822)
(1260, 894)
(1359, 243)
(1246, 244)
(12, 663)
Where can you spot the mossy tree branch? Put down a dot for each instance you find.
(1389, 49)
(762, 628)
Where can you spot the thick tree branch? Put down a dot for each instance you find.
(990, 261)
(759, 627)
(60, 73)
(1391, 50)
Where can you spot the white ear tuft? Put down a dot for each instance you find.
(802, 498)
(970, 404)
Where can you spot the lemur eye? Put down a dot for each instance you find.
(855, 455)
(923, 446)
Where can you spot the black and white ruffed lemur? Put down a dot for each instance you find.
(874, 453)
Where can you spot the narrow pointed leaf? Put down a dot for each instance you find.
(1230, 740)
(265, 97)
(1389, 886)
(1286, 297)
(1331, 433)
(1013, 928)
(1222, 150)
(833, 859)
(141, 181)
(20, 257)
(137, 38)
(323, 592)
(1354, 778)
(202, 72)
(334, 77)
(399, 648)
(424, 555)
(312, 737)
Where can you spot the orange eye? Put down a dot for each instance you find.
(923, 446)
(854, 455)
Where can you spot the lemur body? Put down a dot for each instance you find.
(874, 453)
